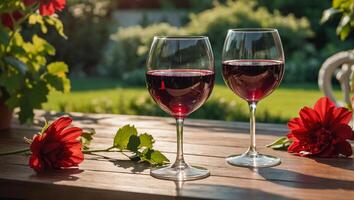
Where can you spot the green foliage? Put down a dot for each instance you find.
(346, 10)
(26, 77)
(281, 143)
(128, 51)
(216, 21)
(130, 46)
(88, 25)
(127, 138)
(101, 95)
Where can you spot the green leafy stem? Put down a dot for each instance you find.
(281, 143)
(126, 139)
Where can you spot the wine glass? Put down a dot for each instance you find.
(253, 67)
(180, 78)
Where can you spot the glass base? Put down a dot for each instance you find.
(255, 160)
(180, 173)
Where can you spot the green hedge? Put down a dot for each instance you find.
(128, 50)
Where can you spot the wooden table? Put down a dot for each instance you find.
(207, 143)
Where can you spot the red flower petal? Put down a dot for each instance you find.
(326, 152)
(36, 143)
(341, 115)
(342, 131)
(309, 117)
(295, 123)
(70, 134)
(322, 106)
(35, 163)
(295, 147)
(48, 7)
(344, 148)
(50, 147)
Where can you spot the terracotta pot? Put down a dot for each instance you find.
(5, 116)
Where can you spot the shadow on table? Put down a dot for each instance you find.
(299, 180)
(343, 163)
(58, 175)
(127, 164)
(136, 167)
(223, 192)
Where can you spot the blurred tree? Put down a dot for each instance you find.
(345, 8)
(88, 24)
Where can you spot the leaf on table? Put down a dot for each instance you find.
(87, 137)
(122, 137)
(146, 140)
(134, 143)
(281, 143)
(154, 157)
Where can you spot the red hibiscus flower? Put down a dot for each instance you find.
(322, 131)
(48, 7)
(8, 19)
(57, 147)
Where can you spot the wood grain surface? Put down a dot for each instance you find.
(206, 143)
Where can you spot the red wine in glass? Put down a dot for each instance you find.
(179, 92)
(253, 80)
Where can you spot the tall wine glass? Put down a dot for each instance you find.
(253, 67)
(180, 78)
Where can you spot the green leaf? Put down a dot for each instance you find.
(58, 83)
(45, 127)
(17, 64)
(87, 137)
(134, 143)
(12, 80)
(26, 112)
(343, 28)
(56, 77)
(58, 25)
(58, 68)
(38, 19)
(159, 158)
(146, 140)
(41, 45)
(281, 143)
(154, 157)
(123, 135)
(328, 14)
(36, 94)
(4, 36)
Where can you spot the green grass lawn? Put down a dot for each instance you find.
(107, 96)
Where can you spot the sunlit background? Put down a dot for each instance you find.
(108, 42)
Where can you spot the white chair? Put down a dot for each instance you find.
(340, 65)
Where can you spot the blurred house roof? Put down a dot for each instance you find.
(152, 4)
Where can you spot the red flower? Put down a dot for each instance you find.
(48, 7)
(322, 131)
(8, 19)
(58, 147)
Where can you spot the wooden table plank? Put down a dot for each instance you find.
(207, 143)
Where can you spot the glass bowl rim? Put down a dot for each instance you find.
(254, 30)
(196, 37)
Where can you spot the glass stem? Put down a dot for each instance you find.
(179, 163)
(252, 149)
